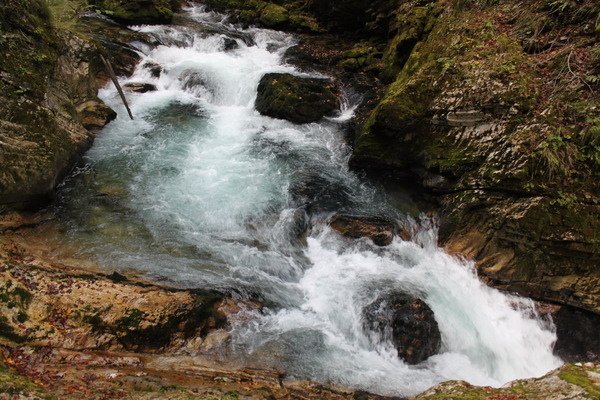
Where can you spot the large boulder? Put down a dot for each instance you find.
(576, 338)
(299, 100)
(408, 322)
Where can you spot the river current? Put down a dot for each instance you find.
(202, 191)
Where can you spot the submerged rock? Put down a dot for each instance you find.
(192, 80)
(408, 322)
(318, 192)
(230, 44)
(296, 99)
(379, 230)
(140, 87)
(154, 68)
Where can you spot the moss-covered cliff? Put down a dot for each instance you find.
(50, 72)
(496, 110)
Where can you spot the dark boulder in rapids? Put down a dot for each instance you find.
(296, 99)
(230, 44)
(408, 322)
(379, 230)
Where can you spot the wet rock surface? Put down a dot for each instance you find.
(95, 114)
(80, 311)
(379, 230)
(139, 87)
(408, 322)
(577, 340)
(297, 99)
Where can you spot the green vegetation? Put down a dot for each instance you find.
(64, 13)
(579, 376)
(273, 15)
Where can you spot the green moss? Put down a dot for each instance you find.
(300, 100)
(304, 22)
(274, 15)
(137, 11)
(413, 24)
(578, 376)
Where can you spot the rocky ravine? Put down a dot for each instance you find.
(493, 108)
(510, 155)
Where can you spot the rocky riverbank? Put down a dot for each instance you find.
(68, 331)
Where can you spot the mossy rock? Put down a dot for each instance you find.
(274, 16)
(304, 23)
(296, 99)
(138, 11)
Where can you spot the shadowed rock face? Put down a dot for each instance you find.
(577, 339)
(408, 322)
(299, 100)
(502, 145)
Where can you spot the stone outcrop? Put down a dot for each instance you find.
(82, 311)
(51, 72)
(40, 134)
(408, 322)
(139, 87)
(297, 99)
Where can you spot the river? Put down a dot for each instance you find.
(200, 190)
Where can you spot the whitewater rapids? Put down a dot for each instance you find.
(200, 190)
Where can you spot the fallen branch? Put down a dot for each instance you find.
(113, 77)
